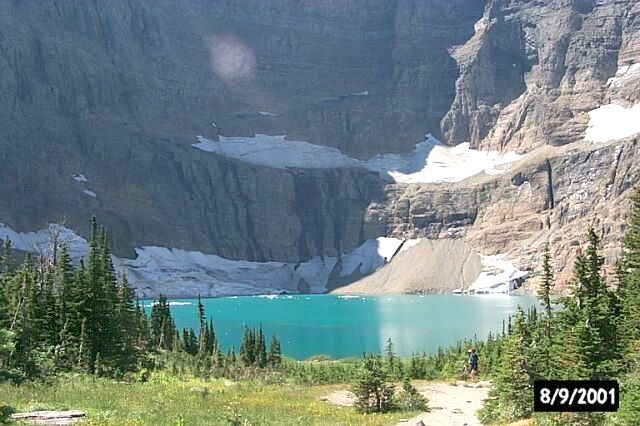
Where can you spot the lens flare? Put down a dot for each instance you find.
(231, 59)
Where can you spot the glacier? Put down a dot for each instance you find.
(430, 161)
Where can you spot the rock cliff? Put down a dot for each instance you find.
(101, 101)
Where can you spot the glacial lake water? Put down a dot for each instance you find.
(343, 326)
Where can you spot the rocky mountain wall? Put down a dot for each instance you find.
(553, 197)
(101, 101)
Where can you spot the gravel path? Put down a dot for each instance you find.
(448, 404)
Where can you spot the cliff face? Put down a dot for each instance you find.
(553, 196)
(533, 70)
(117, 92)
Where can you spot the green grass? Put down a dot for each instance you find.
(166, 400)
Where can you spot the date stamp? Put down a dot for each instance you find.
(576, 395)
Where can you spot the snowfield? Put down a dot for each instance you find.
(624, 75)
(612, 122)
(41, 241)
(277, 152)
(497, 270)
(430, 161)
(181, 273)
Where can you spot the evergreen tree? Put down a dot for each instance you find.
(511, 398)
(547, 282)
(128, 349)
(390, 359)
(260, 350)
(542, 336)
(629, 289)
(275, 354)
(162, 327)
(247, 347)
(372, 390)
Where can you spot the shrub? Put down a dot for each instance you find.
(409, 399)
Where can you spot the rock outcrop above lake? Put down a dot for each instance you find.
(101, 102)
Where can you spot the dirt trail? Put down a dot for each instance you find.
(448, 404)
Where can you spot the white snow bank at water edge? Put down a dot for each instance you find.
(176, 272)
(497, 275)
(612, 122)
(42, 241)
(430, 161)
(179, 272)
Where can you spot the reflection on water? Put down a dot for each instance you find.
(341, 326)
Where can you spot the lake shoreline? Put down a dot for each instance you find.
(344, 326)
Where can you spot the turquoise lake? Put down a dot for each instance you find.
(343, 326)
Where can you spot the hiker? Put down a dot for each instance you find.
(473, 364)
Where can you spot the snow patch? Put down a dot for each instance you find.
(79, 178)
(278, 152)
(42, 241)
(498, 272)
(624, 75)
(613, 122)
(90, 193)
(373, 254)
(430, 161)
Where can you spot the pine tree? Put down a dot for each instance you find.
(52, 324)
(126, 316)
(511, 398)
(275, 354)
(260, 350)
(162, 326)
(247, 347)
(629, 289)
(372, 390)
(5, 275)
(390, 359)
(542, 337)
(7, 260)
(547, 282)
(205, 338)
(586, 341)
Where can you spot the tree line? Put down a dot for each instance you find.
(57, 316)
(593, 334)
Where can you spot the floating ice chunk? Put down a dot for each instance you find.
(90, 193)
(365, 93)
(79, 178)
(271, 114)
(613, 122)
